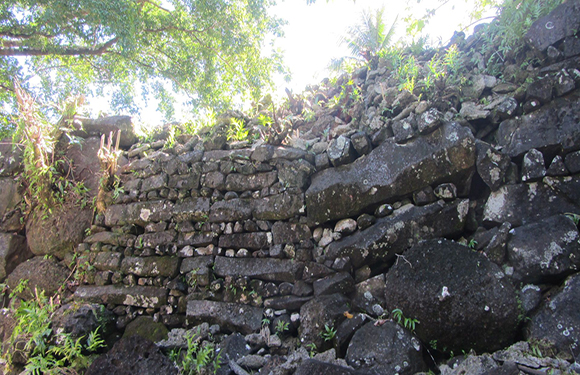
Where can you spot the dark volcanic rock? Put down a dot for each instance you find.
(318, 312)
(106, 125)
(553, 127)
(133, 355)
(260, 268)
(548, 248)
(253, 241)
(13, 251)
(533, 166)
(385, 349)
(558, 320)
(312, 366)
(341, 282)
(340, 151)
(391, 171)
(10, 158)
(231, 210)
(60, 232)
(147, 328)
(283, 233)
(395, 233)
(79, 320)
(240, 182)
(195, 209)
(459, 297)
(231, 316)
(42, 274)
(278, 207)
(561, 22)
(526, 203)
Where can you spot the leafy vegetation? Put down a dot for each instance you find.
(196, 357)
(328, 333)
(212, 51)
(409, 323)
(46, 352)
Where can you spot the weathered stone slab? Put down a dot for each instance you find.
(197, 269)
(230, 316)
(185, 182)
(217, 155)
(140, 213)
(392, 171)
(260, 268)
(196, 238)
(549, 248)
(140, 296)
(156, 239)
(563, 21)
(151, 266)
(404, 228)
(232, 210)
(240, 182)
(278, 207)
(111, 238)
(107, 261)
(526, 203)
(106, 125)
(195, 209)
(268, 152)
(284, 233)
(252, 241)
(557, 320)
(553, 127)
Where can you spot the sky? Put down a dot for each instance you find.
(312, 35)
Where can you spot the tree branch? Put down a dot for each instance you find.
(68, 51)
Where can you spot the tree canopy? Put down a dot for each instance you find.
(213, 51)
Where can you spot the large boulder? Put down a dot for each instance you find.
(546, 250)
(59, 232)
(395, 233)
(141, 213)
(42, 273)
(133, 355)
(460, 298)
(385, 349)
(557, 320)
(553, 127)
(392, 171)
(13, 251)
(106, 125)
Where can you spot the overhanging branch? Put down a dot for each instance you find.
(67, 51)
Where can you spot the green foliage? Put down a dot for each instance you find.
(312, 349)
(328, 333)
(210, 50)
(237, 130)
(403, 320)
(196, 356)
(503, 37)
(48, 353)
(472, 243)
(282, 326)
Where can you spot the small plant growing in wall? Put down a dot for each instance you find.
(328, 333)
(281, 327)
(409, 323)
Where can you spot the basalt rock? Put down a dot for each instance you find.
(395, 233)
(552, 128)
(446, 155)
(230, 316)
(140, 296)
(459, 297)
